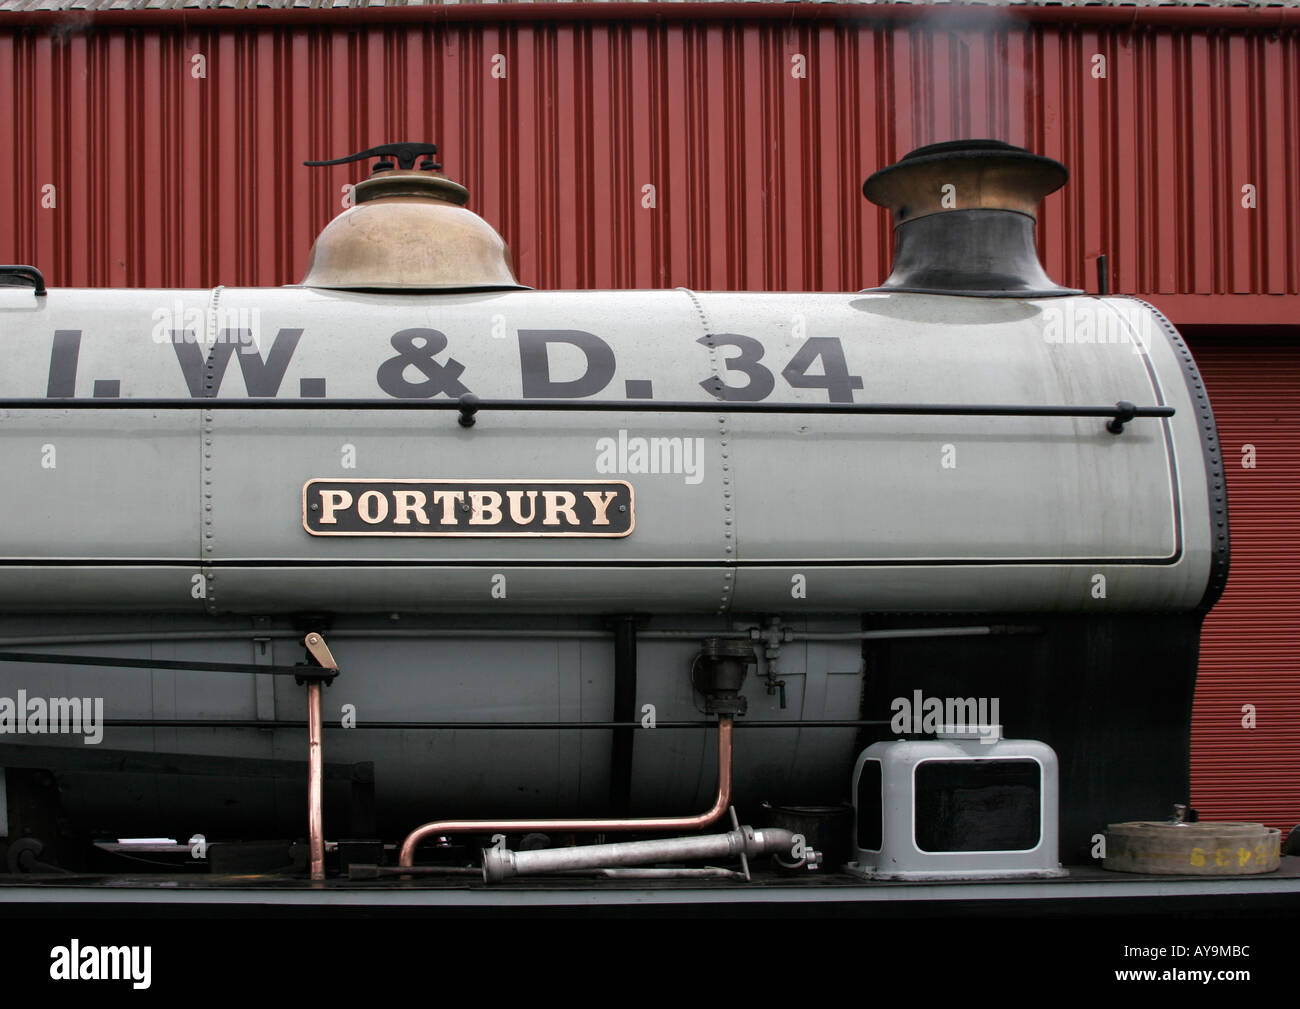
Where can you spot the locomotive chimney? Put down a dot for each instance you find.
(408, 231)
(964, 218)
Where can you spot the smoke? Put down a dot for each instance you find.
(968, 84)
(72, 22)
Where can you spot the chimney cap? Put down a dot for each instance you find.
(981, 148)
(965, 175)
(965, 215)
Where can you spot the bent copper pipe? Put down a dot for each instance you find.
(315, 773)
(320, 652)
(712, 815)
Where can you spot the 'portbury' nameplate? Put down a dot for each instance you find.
(467, 507)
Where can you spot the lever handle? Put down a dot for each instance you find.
(405, 155)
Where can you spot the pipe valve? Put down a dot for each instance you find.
(718, 672)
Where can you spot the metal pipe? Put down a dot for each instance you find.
(365, 872)
(280, 634)
(707, 872)
(315, 817)
(264, 724)
(620, 762)
(711, 815)
(357, 871)
(498, 633)
(885, 634)
(894, 633)
(181, 666)
(501, 863)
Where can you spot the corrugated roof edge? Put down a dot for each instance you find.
(486, 8)
(1264, 14)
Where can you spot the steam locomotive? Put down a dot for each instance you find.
(422, 542)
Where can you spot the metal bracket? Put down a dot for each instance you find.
(468, 404)
(325, 670)
(744, 859)
(264, 686)
(1124, 412)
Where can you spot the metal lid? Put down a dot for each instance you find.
(965, 175)
(409, 230)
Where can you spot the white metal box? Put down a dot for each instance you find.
(964, 805)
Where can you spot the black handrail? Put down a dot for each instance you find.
(468, 406)
(27, 273)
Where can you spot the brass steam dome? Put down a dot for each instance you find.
(408, 231)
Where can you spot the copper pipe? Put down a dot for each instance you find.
(712, 815)
(315, 773)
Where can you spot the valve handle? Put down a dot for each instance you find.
(405, 154)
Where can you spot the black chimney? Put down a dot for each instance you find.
(964, 217)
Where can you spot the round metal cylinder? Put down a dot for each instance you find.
(1192, 849)
(500, 863)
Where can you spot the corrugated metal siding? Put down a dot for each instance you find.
(1250, 648)
(163, 179)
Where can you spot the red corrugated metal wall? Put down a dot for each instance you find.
(167, 179)
(1250, 648)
